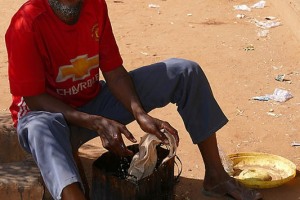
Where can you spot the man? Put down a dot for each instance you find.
(55, 50)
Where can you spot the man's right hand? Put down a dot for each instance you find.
(110, 133)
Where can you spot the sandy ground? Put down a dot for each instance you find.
(210, 33)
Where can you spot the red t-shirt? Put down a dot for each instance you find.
(48, 56)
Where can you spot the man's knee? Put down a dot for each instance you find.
(185, 63)
(36, 127)
(190, 70)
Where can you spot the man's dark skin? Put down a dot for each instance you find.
(110, 131)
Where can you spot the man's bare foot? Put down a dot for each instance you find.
(217, 182)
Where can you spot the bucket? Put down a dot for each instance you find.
(108, 182)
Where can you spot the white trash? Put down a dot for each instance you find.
(280, 95)
(240, 16)
(242, 7)
(153, 6)
(267, 24)
(261, 98)
(260, 4)
(263, 33)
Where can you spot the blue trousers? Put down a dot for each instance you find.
(51, 141)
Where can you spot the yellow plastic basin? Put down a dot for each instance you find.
(262, 170)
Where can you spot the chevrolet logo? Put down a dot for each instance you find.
(79, 69)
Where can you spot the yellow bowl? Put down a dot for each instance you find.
(262, 170)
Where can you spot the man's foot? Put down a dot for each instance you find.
(231, 189)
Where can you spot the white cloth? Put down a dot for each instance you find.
(143, 162)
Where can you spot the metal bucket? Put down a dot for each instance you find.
(107, 184)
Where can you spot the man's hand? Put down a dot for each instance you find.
(110, 133)
(154, 126)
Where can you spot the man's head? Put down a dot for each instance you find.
(67, 10)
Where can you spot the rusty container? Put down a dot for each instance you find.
(108, 185)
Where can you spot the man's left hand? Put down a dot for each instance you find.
(154, 126)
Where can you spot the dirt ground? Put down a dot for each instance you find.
(238, 63)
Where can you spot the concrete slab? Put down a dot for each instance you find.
(20, 178)
(20, 181)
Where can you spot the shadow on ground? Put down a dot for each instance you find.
(190, 189)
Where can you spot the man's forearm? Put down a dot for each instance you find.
(122, 87)
(48, 103)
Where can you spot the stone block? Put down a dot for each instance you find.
(20, 178)
(10, 149)
(20, 181)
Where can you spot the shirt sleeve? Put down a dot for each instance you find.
(109, 54)
(25, 67)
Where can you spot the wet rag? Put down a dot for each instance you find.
(143, 162)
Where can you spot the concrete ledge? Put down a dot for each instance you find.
(20, 178)
(10, 149)
(20, 181)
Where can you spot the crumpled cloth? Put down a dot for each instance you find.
(143, 162)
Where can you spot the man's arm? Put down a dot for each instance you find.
(122, 87)
(108, 130)
(48, 103)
